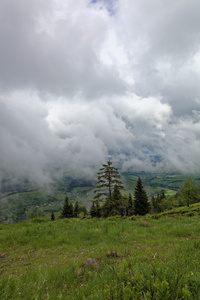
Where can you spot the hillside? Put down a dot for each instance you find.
(19, 201)
(114, 258)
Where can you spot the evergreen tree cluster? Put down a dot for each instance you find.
(188, 194)
(157, 202)
(95, 210)
(109, 201)
(70, 211)
(108, 192)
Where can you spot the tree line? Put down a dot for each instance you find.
(187, 195)
(109, 200)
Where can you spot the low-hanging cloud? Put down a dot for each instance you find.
(85, 80)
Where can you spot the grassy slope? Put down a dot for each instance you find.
(155, 183)
(156, 259)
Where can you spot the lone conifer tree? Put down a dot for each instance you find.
(141, 203)
(52, 216)
(108, 178)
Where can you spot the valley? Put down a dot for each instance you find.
(19, 201)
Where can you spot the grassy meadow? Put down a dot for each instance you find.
(139, 258)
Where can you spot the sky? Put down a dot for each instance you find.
(85, 81)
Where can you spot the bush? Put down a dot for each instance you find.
(37, 218)
(36, 215)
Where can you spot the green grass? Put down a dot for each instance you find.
(143, 258)
(156, 190)
(191, 211)
(173, 182)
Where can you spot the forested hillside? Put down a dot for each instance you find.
(17, 202)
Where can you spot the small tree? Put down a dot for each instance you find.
(76, 209)
(67, 211)
(157, 202)
(95, 210)
(98, 210)
(82, 211)
(130, 206)
(141, 204)
(52, 216)
(189, 191)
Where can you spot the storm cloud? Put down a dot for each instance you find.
(81, 81)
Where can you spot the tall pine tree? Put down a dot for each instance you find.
(141, 203)
(108, 178)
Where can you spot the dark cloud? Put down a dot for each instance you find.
(53, 51)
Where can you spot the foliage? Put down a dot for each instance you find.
(130, 206)
(76, 209)
(115, 206)
(95, 210)
(108, 188)
(108, 177)
(191, 211)
(36, 215)
(141, 203)
(52, 216)
(68, 211)
(189, 192)
(82, 211)
(157, 202)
